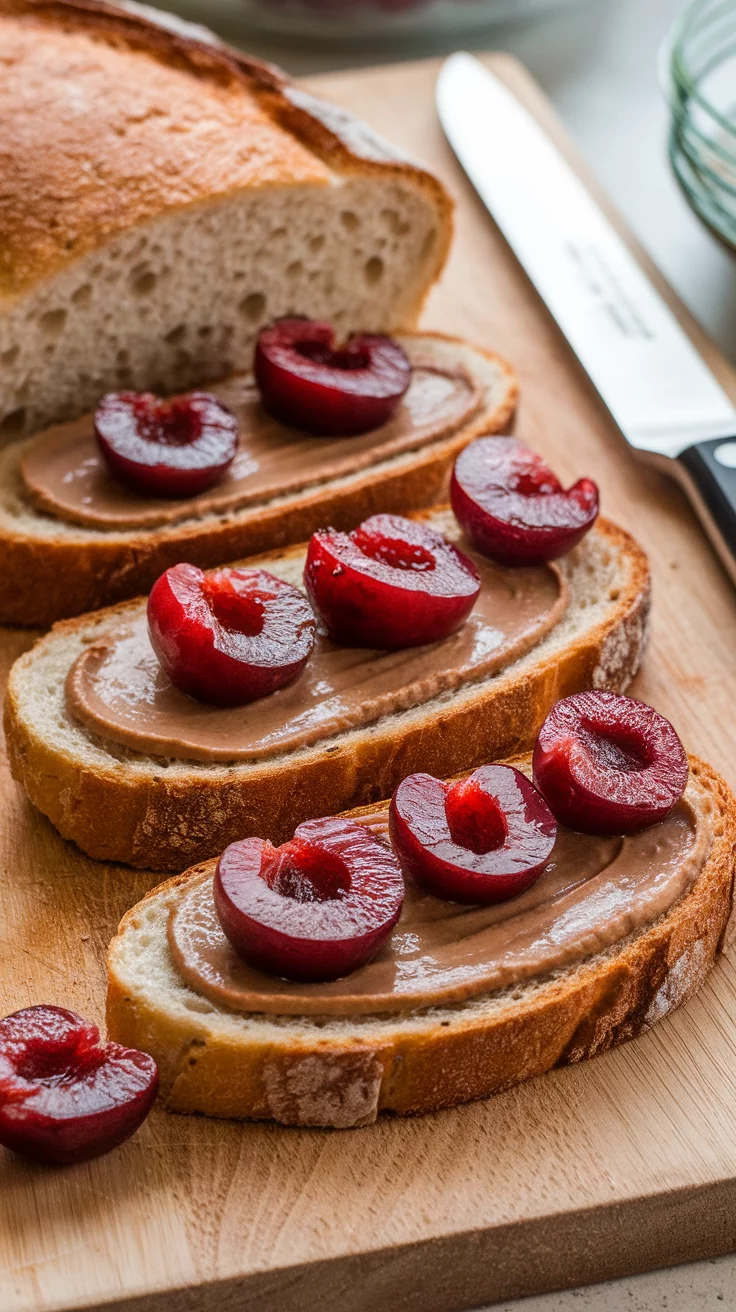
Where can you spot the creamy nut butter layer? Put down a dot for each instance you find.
(119, 691)
(592, 895)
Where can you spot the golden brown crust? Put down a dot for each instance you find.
(457, 1055)
(160, 137)
(163, 822)
(46, 579)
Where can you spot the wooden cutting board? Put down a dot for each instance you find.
(619, 1165)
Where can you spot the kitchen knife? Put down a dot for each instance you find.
(660, 392)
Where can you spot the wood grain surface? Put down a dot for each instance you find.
(619, 1165)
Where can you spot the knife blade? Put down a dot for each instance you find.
(659, 390)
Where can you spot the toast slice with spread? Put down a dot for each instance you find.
(343, 1070)
(164, 813)
(55, 567)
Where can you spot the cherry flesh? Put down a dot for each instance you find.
(308, 382)
(316, 908)
(65, 1096)
(166, 448)
(229, 636)
(609, 764)
(391, 583)
(483, 839)
(513, 508)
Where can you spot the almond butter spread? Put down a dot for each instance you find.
(64, 473)
(592, 895)
(117, 688)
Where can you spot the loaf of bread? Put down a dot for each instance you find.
(342, 1071)
(162, 197)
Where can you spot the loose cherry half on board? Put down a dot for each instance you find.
(391, 583)
(308, 382)
(483, 839)
(609, 764)
(65, 1096)
(513, 508)
(315, 908)
(166, 448)
(231, 635)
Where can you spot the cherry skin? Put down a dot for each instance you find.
(64, 1096)
(483, 839)
(609, 764)
(315, 908)
(229, 636)
(513, 508)
(391, 583)
(165, 448)
(305, 380)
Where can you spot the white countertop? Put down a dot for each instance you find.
(597, 61)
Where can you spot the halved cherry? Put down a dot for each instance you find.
(65, 1096)
(231, 635)
(483, 839)
(391, 583)
(166, 448)
(315, 908)
(308, 382)
(513, 508)
(609, 764)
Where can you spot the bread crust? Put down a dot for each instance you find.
(452, 1056)
(298, 139)
(47, 579)
(160, 822)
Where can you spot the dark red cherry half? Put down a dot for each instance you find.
(308, 382)
(315, 908)
(231, 635)
(609, 764)
(483, 839)
(513, 508)
(166, 448)
(65, 1096)
(391, 583)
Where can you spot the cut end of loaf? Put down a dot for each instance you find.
(182, 197)
(178, 302)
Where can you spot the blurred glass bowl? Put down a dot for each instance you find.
(351, 20)
(699, 76)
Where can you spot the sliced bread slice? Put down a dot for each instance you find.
(165, 814)
(54, 569)
(163, 196)
(344, 1071)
